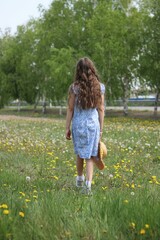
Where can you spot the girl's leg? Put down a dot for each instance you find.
(89, 172)
(80, 176)
(79, 164)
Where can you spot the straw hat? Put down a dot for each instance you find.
(102, 153)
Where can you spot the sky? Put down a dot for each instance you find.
(19, 12)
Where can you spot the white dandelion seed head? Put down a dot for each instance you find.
(110, 175)
(28, 178)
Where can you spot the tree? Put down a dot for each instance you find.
(115, 35)
(150, 53)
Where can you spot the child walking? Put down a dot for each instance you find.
(86, 113)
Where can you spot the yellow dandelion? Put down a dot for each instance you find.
(104, 188)
(22, 193)
(27, 200)
(4, 206)
(132, 225)
(55, 177)
(142, 231)
(21, 214)
(50, 153)
(35, 197)
(125, 201)
(132, 185)
(5, 212)
(154, 177)
(146, 226)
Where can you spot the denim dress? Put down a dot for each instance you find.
(86, 129)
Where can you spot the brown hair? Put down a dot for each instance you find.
(88, 83)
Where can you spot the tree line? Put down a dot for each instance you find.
(122, 37)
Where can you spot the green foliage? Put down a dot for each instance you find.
(150, 53)
(123, 41)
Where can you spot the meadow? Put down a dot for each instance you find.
(38, 197)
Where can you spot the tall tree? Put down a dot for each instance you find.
(150, 53)
(115, 38)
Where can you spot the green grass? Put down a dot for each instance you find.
(126, 195)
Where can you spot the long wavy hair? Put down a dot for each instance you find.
(88, 84)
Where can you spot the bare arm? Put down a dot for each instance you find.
(101, 114)
(70, 110)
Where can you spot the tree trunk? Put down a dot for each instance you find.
(19, 105)
(1, 102)
(125, 106)
(125, 96)
(36, 103)
(44, 105)
(60, 110)
(156, 104)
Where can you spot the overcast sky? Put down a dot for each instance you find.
(18, 12)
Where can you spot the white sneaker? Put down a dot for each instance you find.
(79, 183)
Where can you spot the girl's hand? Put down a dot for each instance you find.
(68, 134)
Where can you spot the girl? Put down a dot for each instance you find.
(86, 112)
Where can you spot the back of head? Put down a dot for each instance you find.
(85, 70)
(86, 78)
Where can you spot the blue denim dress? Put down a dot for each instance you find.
(86, 130)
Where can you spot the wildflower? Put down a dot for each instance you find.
(154, 177)
(22, 193)
(142, 231)
(55, 177)
(5, 212)
(28, 178)
(34, 196)
(146, 226)
(126, 201)
(132, 225)
(50, 153)
(132, 193)
(110, 175)
(3, 206)
(132, 185)
(27, 200)
(21, 214)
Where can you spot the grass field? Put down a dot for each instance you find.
(38, 197)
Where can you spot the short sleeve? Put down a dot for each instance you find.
(102, 88)
(73, 89)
